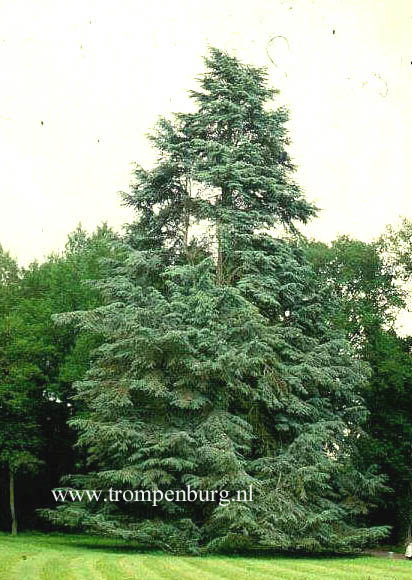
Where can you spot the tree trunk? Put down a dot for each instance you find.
(219, 266)
(186, 232)
(186, 221)
(12, 506)
(220, 238)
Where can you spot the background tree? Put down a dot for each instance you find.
(19, 434)
(366, 280)
(38, 363)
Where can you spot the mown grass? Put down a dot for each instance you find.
(70, 557)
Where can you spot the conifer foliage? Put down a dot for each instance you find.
(218, 369)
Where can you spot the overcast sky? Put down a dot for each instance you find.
(82, 82)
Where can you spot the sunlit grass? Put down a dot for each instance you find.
(73, 557)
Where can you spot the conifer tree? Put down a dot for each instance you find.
(218, 368)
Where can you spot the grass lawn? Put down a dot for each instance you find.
(61, 557)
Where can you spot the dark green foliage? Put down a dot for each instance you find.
(19, 375)
(365, 279)
(39, 361)
(363, 283)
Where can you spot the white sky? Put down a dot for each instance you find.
(98, 74)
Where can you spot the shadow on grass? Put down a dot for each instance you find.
(118, 546)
